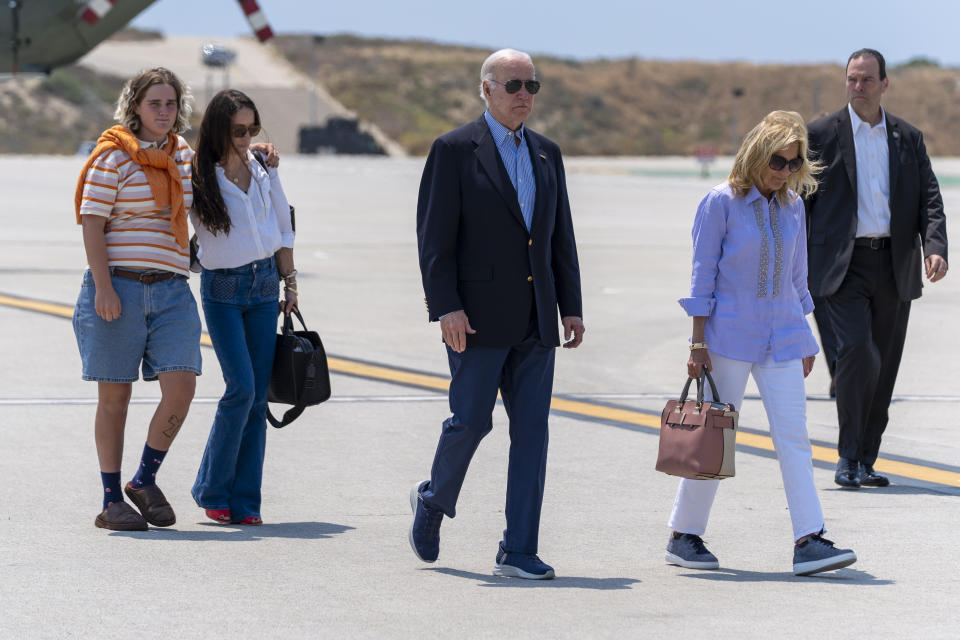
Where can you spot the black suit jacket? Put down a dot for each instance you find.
(475, 251)
(918, 227)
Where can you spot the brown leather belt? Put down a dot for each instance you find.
(140, 276)
(872, 243)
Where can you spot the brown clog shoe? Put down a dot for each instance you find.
(119, 516)
(152, 504)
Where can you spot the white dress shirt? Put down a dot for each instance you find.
(259, 220)
(873, 176)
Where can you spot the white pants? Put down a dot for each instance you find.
(785, 400)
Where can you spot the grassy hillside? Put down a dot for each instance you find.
(416, 90)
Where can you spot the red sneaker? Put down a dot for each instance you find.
(219, 515)
(252, 520)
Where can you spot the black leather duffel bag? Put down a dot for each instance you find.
(300, 376)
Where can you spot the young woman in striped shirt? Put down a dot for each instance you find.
(135, 309)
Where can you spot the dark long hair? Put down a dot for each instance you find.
(213, 144)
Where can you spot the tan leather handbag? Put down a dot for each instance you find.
(697, 438)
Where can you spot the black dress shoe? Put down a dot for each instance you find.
(870, 478)
(848, 473)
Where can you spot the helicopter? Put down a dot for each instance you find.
(46, 34)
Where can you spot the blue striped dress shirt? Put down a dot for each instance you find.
(517, 161)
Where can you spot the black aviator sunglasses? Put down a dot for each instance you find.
(512, 86)
(777, 163)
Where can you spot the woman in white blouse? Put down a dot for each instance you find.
(245, 233)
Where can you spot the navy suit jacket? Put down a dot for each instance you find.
(475, 251)
(918, 227)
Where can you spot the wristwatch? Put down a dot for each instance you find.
(697, 345)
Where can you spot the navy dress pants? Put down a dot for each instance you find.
(524, 376)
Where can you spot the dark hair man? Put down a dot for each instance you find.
(878, 207)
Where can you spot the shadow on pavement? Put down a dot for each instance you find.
(560, 582)
(842, 576)
(900, 489)
(243, 533)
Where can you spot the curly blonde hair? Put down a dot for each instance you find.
(136, 88)
(777, 130)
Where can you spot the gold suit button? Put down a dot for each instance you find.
(529, 278)
(530, 242)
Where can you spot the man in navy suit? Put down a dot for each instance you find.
(874, 225)
(498, 259)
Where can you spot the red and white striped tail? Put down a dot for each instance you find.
(96, 9)
(258, 21)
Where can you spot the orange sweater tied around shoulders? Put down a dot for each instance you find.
(161, 170)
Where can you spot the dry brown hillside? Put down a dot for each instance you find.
(417, 90)
(414, 91)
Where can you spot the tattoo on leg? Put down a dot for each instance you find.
(174, 427)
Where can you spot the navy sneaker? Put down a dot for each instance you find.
(425, 528)
(688, 551)
(522, 565)
(818, 554)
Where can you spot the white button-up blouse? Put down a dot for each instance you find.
(260, 221)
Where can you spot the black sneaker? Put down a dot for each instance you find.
(688, 551)
(817, 554)
(425, 528)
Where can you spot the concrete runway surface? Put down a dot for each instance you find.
(333, 560)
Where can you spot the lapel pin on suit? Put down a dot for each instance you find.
(542, 157)
(895, 134)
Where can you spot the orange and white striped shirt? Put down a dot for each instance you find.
(138, 233)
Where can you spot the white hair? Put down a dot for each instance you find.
(489, 67)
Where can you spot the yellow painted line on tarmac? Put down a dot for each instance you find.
(386, 373)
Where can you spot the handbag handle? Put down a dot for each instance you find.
(288, 321)
(705, 374)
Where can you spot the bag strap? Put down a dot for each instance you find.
(260, 159)
(289, 416)
(701, 385)
(309, 379)
(287, 329)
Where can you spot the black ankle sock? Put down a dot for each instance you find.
(149, 464)
(111, 488)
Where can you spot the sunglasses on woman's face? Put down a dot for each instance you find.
(512, 86)
(253, 130)
(777, 163)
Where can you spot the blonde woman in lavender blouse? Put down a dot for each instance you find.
(748, 300)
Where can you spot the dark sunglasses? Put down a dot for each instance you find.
(254, 129)
(777, 163)
(512, 86)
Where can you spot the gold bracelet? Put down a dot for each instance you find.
(293, 289)
(697, 345)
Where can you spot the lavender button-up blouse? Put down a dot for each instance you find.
(750, 276)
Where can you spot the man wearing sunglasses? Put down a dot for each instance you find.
(876, 218)
(498, 259)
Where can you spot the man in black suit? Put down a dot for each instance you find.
(876, 219)
(497, 258)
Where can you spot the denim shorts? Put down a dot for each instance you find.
(158, 329)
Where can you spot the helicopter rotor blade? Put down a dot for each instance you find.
(256, 18)
(96, 9)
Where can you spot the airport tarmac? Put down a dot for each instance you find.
(333, 559)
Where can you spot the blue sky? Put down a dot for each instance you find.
(713, 30)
